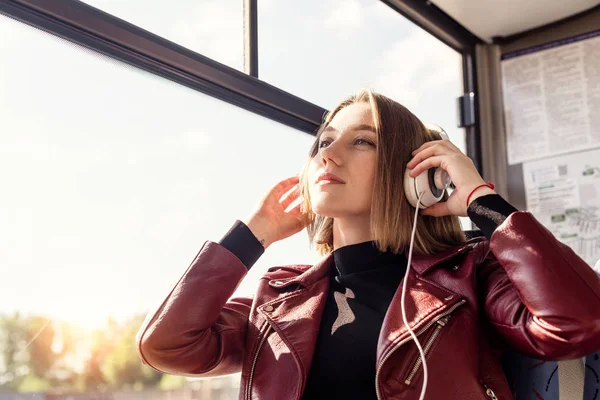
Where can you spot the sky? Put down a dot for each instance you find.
(113, 178)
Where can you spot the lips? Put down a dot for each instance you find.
(329, 178)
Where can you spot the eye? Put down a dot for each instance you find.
(323, 142)
(364, 141)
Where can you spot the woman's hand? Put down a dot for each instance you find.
(270, 221)
(462, 171)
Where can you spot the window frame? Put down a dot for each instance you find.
(85, 25)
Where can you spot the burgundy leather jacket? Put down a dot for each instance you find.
(522, 289)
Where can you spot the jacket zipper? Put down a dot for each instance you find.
(490, 392)
(438, 329)
(409, 338)
(260, 345)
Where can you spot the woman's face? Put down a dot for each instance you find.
(347, 149)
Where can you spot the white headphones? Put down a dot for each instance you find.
(432, 182)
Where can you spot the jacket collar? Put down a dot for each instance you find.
(306, 275)
(421, 264)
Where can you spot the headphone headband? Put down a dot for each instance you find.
(437, 130)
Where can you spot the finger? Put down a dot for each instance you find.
(442, 144)
(452, 146)
(282, 187)
(424, 165)
(431, 143)
(424, 154)
(437, 210)
(435, 149)
(303, 219)
(294, 209)
(290, 196)
(424, 146)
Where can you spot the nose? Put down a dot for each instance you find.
(331, 153)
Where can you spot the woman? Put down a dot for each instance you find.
(335, 329)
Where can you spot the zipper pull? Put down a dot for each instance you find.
(444, 321)
(490, 392)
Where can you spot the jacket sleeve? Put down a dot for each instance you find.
(538, 294)
(198, 329)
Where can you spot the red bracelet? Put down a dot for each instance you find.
(489, 184)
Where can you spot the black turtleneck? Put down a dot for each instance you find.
(362, 285)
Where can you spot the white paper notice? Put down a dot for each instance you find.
(552, 100)
(564, 195)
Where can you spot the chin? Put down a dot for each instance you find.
(324, 207)
(335, 206)
(322, 210)
(331, 210)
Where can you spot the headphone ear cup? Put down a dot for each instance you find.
(432, 183)
(424, 183)
(410, 189)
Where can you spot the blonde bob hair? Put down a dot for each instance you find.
(399, 132)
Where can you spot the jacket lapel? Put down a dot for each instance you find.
(432, 300)
(296, 315)
(424, 301)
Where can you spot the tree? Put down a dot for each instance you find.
(122, 367)
(27, 355)
(103, 343)
(171, 382)
(39, 334)
(12, 342)
(37, 354)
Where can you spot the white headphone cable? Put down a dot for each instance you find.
(412, 334)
